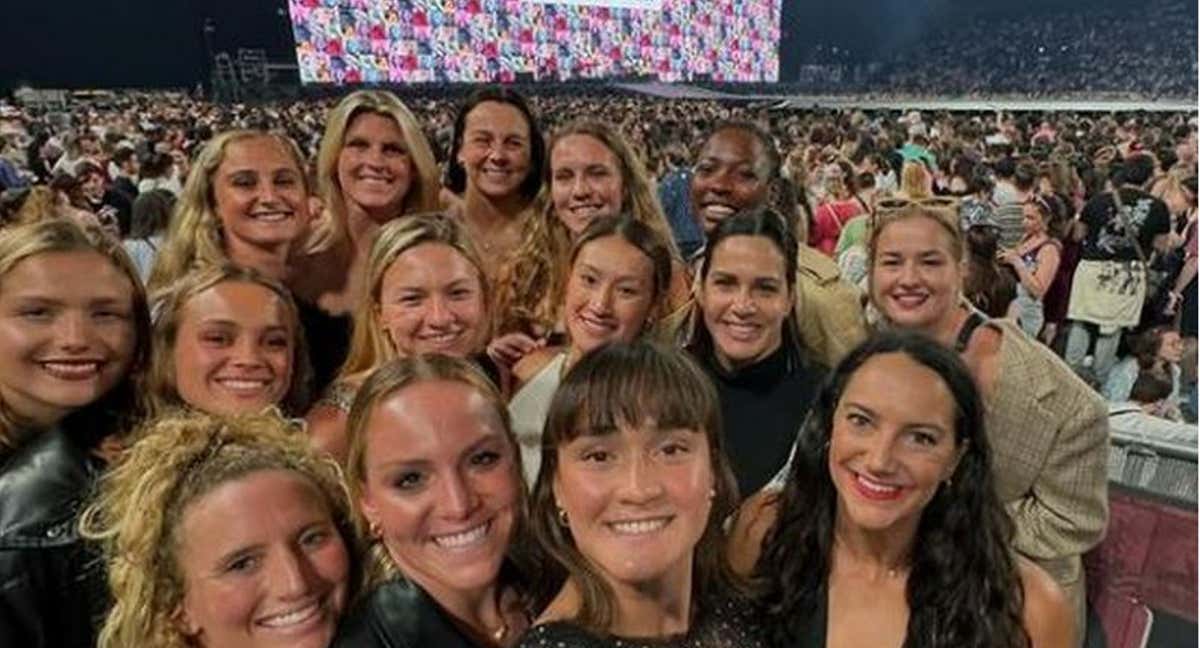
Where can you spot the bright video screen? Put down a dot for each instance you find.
(427, 41)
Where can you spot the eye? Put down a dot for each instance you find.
(857, 420)
(485, 458)
(597, 456)
(277, 342)
(461, 293)
(923, 438)
(314, 538)
(394, 149)
(357, 143)
(675, 449)
(588, 279)
(629, 291)
(34, 313)
(408, 481)
(242, 565)
(216, 338)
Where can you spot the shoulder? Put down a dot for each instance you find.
(398, 614)
(534, 363)
(41, 485)
(812, 265)
(1047, 613)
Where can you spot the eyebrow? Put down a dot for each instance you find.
(907, 426)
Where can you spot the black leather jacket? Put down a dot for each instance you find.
(398, 614)
(52, 588)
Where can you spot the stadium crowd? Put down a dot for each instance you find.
(586, 369)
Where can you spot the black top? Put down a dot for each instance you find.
(730, 623)
(328, 339)
(762, 407)
(52, 586)
(399, 614)
(1107, 238)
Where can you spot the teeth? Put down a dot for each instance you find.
(596, 326)
(243, 384)
(463, 539)
(718, 211)
(742, 331)
(876, 487)
(271, 217)
(71, 369)
(292, 618)
(639, 527)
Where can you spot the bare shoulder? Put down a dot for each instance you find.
(1048, 616)
(533, 363)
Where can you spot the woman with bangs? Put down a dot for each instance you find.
(744, 334)
(426, 292)
(1047, 428)
(591, 172)
(247, 202)
(617, 273)
(374, 165)
(228, 340)
(435, 476)
(223, 532)
(74, 337)
(629, 502)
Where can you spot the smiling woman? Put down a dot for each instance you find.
(193, 561)
(435, 473)
(228, 341)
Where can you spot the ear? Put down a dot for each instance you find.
(183, 621)
(366, 503)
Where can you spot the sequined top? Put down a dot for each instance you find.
(730, 623)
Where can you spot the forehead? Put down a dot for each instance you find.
(374, 123)
(247, 506)
(243, 302)
(896, 387)
(581, 148)
(753, 254)
(615, 254)
(57, 273)
(430, 420)
(914, 233)
(497, 116)
(254, 152)
(733, 145)
(429, 262)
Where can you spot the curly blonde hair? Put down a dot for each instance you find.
(370, 345)
(532, 277)
(159, 392)
(422, 195)
(140, 507)
(194, 237)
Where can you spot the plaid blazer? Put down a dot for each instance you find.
(1049, 436)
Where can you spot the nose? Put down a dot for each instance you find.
(292, 575)
(880, 457)
(458, 499)
(602, 297)
(641, 484)
(580, 188)
(743, 303)
(439, 313)
(908, 273)
(73, 331)
(246, 352)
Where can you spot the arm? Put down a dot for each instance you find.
(1036, 282)
(1047, 614)
(1066, 511)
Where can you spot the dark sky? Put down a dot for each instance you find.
(157, 43)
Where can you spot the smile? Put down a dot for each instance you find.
(244, 386)
(294, 617)
(441, 339)
(271, 216)
(463, 539)
(742, 331)
(910, 300)
(72, 369)
(640, 527)
(874, 490)
(596, 326)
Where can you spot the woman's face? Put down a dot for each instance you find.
(915, 279)
(1170, 347)
(442, 485)
(261, 200)
(746, 299)
(431, 300)
(636, 499)
(263, 564)
(495, 150)
(234, 349)
(609, 293)
(892, 444)
(585, 181)
(1032, 220)
(374, 167)
(67, 333)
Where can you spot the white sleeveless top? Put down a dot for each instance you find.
(528, 409)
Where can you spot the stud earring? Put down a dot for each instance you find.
(562, 517)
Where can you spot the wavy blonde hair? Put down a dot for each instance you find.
(421, 196)
(370, 344)
(142, 502)
(194, 237)
(387, 380)
(21, 242)
(159, 392)
(533, 275)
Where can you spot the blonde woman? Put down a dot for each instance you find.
(74, 333)
(591, 172)
(374, 165)
(425, 292)
(228, 340)
(224, 532)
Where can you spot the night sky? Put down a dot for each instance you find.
(159, 43)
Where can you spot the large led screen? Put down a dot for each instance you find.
(415, 41)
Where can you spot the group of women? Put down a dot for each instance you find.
(528, 421)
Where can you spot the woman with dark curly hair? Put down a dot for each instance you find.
(888, 530)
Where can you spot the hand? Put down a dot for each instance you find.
(508, 349)
(1010, 257)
